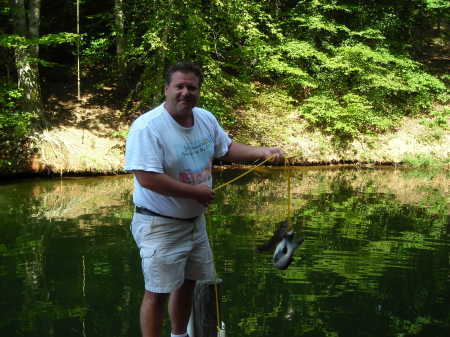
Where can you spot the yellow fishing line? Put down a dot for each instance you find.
(217, 305)
(240, 176)
(289, 201)
(286, 163)
(216, 290)
(215, 189)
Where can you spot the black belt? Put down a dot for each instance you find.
(145, 211)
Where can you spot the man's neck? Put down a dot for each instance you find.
(185, 119)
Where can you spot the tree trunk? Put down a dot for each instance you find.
(26, 24)
(120, 38)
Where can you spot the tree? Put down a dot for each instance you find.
(26, 24)
(119, 23)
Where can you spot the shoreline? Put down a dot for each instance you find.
(97, 149)
(219, 166)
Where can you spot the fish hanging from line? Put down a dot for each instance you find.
(283, 255)
(277, 236)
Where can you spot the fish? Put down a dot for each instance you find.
(283, 254)
(277, 236)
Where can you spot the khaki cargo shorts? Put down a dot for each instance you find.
(172, 251)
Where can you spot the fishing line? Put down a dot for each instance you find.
(216, 290)
(287, 167)
(242, 175)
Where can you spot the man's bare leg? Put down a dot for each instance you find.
(152, 313)
(180, 304)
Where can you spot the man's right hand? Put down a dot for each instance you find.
(203, 194)
(164, 184)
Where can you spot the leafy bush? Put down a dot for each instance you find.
(425, 161)
(96, 52)
(222, 95)
(438, 119)
(364, 90)
(15, 127)
(344, 117)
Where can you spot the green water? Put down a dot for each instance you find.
(375, 261)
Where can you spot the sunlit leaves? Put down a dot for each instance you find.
(17, 41)
(14, 126)
(437, 4)
(364, 90)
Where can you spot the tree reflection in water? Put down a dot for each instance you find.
(375, 260)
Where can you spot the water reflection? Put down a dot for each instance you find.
(375, 260)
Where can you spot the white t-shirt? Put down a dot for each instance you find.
(157, 143)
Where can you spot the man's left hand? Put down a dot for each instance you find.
(274, 152)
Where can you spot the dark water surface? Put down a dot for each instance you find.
(375, 261)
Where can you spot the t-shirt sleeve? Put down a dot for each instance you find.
(222, 141)
(143, 151)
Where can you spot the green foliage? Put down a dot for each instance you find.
(291, 63)
(17, 41)
(58, 38)
(122, 134)
(4, 7)
(425, 161)
(95, 52)
(437, 4)
(12, 121)
(222, 95)
(438, 119)
(345, 117)
(437, 123)
(14, 128)
(224, 37)
(337, 59)
(365, 91)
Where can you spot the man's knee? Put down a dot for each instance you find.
(155, 298)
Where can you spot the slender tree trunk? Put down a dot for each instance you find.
(26, 24)
(120, 38)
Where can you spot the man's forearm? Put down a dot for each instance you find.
(163, 184)
(239, 151)
(166, 185)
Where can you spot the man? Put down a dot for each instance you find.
(170, 151)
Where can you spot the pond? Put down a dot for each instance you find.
(375, 260)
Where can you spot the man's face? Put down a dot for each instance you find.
(182, 93)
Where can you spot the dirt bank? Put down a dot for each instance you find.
(87, 137)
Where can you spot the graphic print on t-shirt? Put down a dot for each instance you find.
(198, 153)
(196, 147)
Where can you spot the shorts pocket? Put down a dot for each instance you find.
(147, 252)
(169, 268)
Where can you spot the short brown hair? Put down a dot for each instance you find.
(184, 67)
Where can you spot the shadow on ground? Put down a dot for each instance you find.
(100, 109)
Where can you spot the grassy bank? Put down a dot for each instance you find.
(93, 143)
